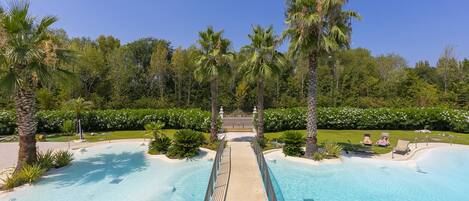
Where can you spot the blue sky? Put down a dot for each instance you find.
(414, 29)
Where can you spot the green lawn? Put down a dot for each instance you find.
(350, 139)
(111, 135)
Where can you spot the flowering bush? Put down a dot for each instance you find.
(110, 120)
(7, 122)
(381, 118)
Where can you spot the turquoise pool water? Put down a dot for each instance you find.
(119, 172)
(441, 174)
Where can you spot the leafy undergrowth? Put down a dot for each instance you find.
(30, 173)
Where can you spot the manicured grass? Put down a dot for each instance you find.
(112, 135)
(350, 139)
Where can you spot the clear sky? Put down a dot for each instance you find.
(414, 29)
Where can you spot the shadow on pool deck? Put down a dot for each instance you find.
(95, 169)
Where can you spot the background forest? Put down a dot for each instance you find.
(151, 73)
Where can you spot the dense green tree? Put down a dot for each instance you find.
(178, 63)
(107, 44)
(159, 67)
(316, 28)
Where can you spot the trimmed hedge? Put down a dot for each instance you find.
(275, 119)
(111, 120)
(381, 118)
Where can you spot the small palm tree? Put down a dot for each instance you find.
(213, 62)
(28, 58)
(263, 61)
(154, 128)
(316, 28)
(78, 106)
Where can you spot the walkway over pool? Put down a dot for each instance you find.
(245, 180)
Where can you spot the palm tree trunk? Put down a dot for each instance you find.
(213, 123)
(260, 108)
(312, 129)
(25, 104)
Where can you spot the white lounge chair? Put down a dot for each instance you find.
(402, 147)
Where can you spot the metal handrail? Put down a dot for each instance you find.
(216, 167)
(265, 173)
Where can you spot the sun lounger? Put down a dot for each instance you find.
(402, 147)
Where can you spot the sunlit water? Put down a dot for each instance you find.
(438, 175)
(119, 172)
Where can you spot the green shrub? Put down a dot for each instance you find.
(7, 122)
(46, 159)
(212, 145)
(262, 142)
(12, 181)
(332, 149)
(62, 158)
(28, 174)
(154, 128)
(67, 127)
(318, 156)
(294, 142)
(186, 144)
(31, 173)
(376, 118)
(160, 145)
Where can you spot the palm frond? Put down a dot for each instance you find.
(9, 82)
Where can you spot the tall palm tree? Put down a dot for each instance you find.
(212, 63)
(28, 58)
(78, 106)
(316, 28)
(263, 61)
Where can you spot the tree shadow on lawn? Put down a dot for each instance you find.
(98, 168)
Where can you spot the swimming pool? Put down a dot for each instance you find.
(119, 172)
(440, 174)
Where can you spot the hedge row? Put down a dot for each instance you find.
(275, 119)
(382, 118)
(110, 120)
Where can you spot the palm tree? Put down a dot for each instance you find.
(213, 62)
(78, 106)
(155, 129)
(315, 29)
(263, 61)
(28, 58)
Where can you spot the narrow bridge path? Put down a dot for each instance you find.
(246, 181)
